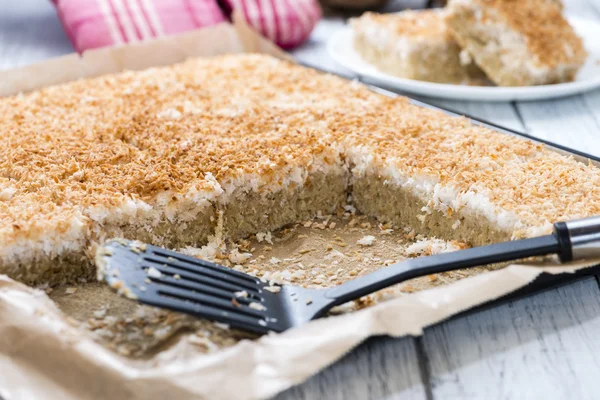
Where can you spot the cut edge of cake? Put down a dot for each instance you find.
(60, 250)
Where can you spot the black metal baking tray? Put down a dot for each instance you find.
(544, 281)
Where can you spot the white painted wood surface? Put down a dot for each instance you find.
(544, 346)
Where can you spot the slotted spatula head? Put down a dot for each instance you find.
(168, 279)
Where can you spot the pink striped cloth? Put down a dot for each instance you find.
(97, 23)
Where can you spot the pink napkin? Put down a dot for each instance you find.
(97, 23)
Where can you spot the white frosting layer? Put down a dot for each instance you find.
(71, 239)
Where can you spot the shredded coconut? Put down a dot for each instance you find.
(257, 306)
(169, 113)
(366, 240)
(427, 247)
(154, 273)
(264, 237)
(238, 258)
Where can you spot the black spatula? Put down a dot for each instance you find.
(168, 279)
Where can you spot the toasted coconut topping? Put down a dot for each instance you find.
(409, 23)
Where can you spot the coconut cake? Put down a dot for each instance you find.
(242, 144)
(414, 45)
(517, 43)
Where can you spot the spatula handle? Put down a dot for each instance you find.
(571, 240)
(412, 268)
(579, 238)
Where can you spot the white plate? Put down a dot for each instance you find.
(341, 50)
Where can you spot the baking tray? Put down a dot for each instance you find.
(544, 281)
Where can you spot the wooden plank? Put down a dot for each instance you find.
(381, 368)
(583, 8)
(502, 114)
(541, 347)
(569, 122)
(592, 103)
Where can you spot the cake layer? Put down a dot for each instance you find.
(413, 45)
(529, 43)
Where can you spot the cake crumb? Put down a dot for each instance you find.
(221, 325)
(273, 289)
(367, 240)
(204, 342)
(407, 289)
(238, 258)
(169, 113)
(257, 306)
(99, 314)
(264, 237)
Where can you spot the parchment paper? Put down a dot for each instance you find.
(42, 355)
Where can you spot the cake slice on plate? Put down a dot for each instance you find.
(414, 45)
(517, 43)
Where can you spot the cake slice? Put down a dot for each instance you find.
(517, 43)
(413, 45)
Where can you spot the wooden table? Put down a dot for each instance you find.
(544, 346)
